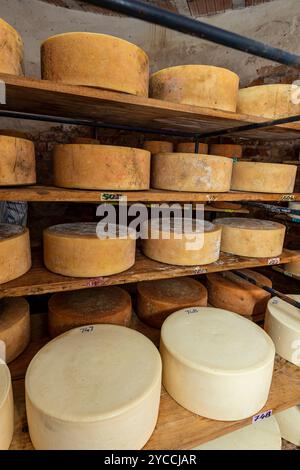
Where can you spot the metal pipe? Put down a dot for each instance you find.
(272, 208)
(193, 27)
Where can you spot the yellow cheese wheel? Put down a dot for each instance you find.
(156, 300)
(67, 310)
(158, 146)
(17, 165)
(85, 140)
(11, 47)
(230, 292)
(263, 177)
(269, 101)
(101, 167)
(193, 247)
(15, 255)
(201, 85)
(294, 266)
(6, 407)
(14, 326)
(96, 60)
(75, 250)
(226, 150)
(191, 172)
(190, 147)
(251, 237)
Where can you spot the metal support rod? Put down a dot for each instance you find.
(272, 208)
(193, 27)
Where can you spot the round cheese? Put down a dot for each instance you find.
(294, 206)
(158, 146)
(11, 47)
(85, 140)
(200, 85)
(251, 237)
(15, 255)
(67, 310)
(191, 172)
(228, 291)
(294, 266)
(289, 423)
(264, 435)
(269, 101)
(190, 147)
(17, 161)
(14, 326)
(226, 205)
(196, 245)
(226, 150)
(101, 167)
(263, 177)
(282, 323)
(210, 366)
(6, 407)
(75, 250)
(96, 60)
(96, 387)
(156, 300)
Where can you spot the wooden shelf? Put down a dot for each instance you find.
(40, 96)
(41, 281)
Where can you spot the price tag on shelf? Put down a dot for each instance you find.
(261, 416)
(288, 197)
(200, 270)
(109, 197)
(273, 261)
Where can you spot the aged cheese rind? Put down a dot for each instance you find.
(14, 326)
(97, 60)
(190, 147)
(226, 150)
(17, 161)
(289, 423)
(85, 140)
(6, 407)
(104, 167)
(158, 146)
(294, 266)
(11, 46)
(15, 255)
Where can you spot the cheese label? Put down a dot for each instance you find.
(273, 261)
(261, 416)
(111, 197)
(200, 270)
(288, 197)
(87, 329)
(189, 311)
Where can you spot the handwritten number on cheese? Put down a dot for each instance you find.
(87, 329)
(261, 416)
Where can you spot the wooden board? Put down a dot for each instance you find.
(41, 281)
(40, 96)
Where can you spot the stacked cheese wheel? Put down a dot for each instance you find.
(17, 161)
(294, 266)
(11, 46)
(289, 423)
(158, 146)
(96, 60)
(15, 256)
(14, 326)
(226, 150)
(190, 147)
(6, 407)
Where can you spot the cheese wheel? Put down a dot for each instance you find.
(269, 101)
(6, 407)
(96, 387)
(263, 177)
(254, 238)
(200, 85)
(190, 147)
(294, 206)
(226, 205)
(14, 326)
(158, 146)
(210, 366)
(75, 250)
(264, 435)
(226, 150)
(282, 323)
(85, 140)
(11, 47)
(96, 60)
(101, 167)
(191, 172)
(17, 165)
(294, 266)
(289, 423)
(15, 256)
(67, 310)
(156, 300)
(228, 291)
(197, 245)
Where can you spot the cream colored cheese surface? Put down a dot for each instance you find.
(289, 423)
(6, 407)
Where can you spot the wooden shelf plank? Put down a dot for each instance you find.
(41, 281)
(31, 95)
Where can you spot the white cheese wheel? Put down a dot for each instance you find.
(67, 310)
(264, 435)
(14, 326)
(254, 238)
(226, 150)
(156, 300)
(190, 147)
(11, 47)
(289, 423)
(263, 177)
(158, 146)
(96, 387)
(197, 245)
(75, 250)
(96, 60)
(15, 255)
(17, 164)
(295, 206)
(6, 407)
(270, 101)
(211, 366)
(101, 167)
(191, 172)
(282, 323)
(200, 85)
(294, 266)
